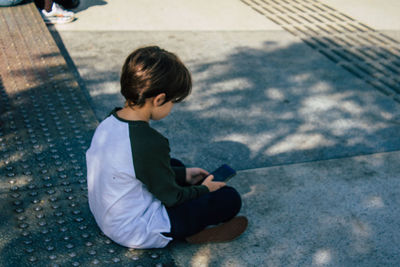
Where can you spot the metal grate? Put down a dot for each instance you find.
(363, 51)
(45, 128)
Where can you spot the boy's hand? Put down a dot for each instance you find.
(195, 175)
(212, 186)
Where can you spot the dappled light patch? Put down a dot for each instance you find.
(322, 257)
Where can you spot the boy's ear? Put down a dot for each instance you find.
(159, 99)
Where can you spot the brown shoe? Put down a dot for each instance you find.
(221, 233)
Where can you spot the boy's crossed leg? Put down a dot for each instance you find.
(189, 220)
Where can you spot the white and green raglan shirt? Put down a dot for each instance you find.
(130, 182)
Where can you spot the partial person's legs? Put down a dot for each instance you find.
(44, 4)
(52, 13)
(213, 208)
(47, 5)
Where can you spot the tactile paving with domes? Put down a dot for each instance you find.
(45, 128)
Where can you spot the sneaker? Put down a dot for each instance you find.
(224, 232)
(57, 15)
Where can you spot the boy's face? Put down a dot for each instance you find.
(161, 111)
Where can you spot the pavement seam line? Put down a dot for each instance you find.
(314, 161)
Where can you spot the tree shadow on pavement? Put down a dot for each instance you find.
(266, 107)
(282, 101)
(285, 105)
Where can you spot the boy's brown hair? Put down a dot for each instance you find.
(150, 71)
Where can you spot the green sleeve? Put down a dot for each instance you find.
(180, 175)
(151, 160)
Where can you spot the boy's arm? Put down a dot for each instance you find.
(151, 159)
(180, 175)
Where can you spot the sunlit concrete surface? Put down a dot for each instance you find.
(170, 15)
(380, 15)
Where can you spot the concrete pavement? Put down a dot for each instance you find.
(341, 212)
(317, 146)
(381, 16)
(176, 15)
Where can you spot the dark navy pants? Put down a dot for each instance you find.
(194, 215)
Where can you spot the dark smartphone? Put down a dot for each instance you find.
(223, 173)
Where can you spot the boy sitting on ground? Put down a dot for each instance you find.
(139, 197)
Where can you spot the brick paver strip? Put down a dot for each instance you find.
(363, 51)
(45, 127)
